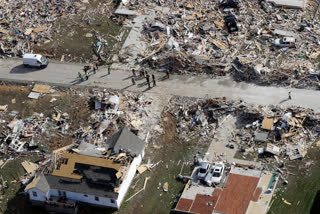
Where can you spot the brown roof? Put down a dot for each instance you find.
(184, 204)
(256, 194)
(67, 170)
(202, 204)
(236, 195)
(205, 204)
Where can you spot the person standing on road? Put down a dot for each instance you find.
(97, 65)
(80, 76)
(87, 77)
(85, 68)
(154, 80)
(289, 95)
(133, 72)
(148, 78)
(168, 74)
(133, 81)
(109, 70)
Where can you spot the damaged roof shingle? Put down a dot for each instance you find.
(125, 141)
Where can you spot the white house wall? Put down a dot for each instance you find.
(40, 195)
(89, 199)
(128, 179)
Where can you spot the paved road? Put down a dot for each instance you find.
(202, 86)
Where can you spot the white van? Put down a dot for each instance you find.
(35, 60)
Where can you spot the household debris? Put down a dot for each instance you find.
(266, 131)
(45, 26)
(219, 38)
(24, 24)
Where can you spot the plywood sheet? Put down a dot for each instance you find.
(29, 167)
(267, 123)
(41, 88)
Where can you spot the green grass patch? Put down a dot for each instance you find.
(11, 174)
(302, 189)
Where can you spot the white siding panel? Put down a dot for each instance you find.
(89, 199)
(128, 179)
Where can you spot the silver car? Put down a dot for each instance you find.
(285, 42)
(203, 170)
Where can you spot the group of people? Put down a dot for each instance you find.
(144, 74)
(88, 68)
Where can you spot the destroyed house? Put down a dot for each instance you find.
(99, 181)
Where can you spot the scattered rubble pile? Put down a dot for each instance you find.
(114, 110)
(22, 135)
(285, 133)
(262, 131)
(251, 40)
(26, 24)
(199, 119)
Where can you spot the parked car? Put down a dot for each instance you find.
(231, 23)
(203, 170)
(217, 173)
(35, 60)
(285, 42)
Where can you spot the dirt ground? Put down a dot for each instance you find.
(74, 37)
(16, 97)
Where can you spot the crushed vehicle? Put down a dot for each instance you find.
(231, 23)
(285, 42)
(229, 4)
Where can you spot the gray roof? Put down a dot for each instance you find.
(42, 184)
(261, 136)
(126, 141)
